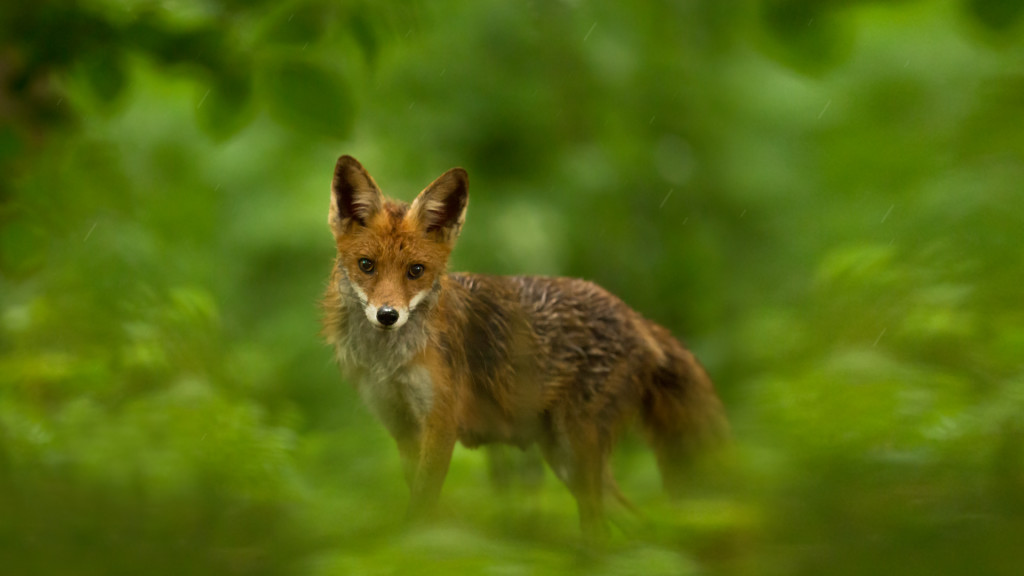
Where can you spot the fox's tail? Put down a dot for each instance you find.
(680, 411)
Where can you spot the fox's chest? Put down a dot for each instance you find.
(401, 400)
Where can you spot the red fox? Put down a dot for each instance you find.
(440, 358)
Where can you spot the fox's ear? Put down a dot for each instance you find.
(355, 197)
(441, 208)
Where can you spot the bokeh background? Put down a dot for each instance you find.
(824, 199)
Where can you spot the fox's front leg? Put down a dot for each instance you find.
(409, 451)
(426, 459)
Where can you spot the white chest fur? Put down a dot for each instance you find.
(400, 400)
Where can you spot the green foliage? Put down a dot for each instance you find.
(309, 98)
(821, 198)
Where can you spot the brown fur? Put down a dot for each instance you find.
(520, 360)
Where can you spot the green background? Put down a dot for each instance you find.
(824, 199)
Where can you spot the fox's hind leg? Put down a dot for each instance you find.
(611, 487)
(588, 488)
(575, 454)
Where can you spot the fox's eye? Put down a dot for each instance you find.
(366, 265)
(415, 271)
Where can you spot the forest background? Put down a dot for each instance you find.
(822, 198)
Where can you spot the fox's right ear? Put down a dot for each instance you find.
(355, 197)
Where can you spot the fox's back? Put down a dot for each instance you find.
(569, 335)
(578, 324)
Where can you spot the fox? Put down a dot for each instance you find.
(443, 358)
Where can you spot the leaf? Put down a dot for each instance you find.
(225, 106)
(22, 248)
(804, 35)
(363, 28)
(999, 16)
(310, 99)
(204, 45)
(103, 71)
(297, 24)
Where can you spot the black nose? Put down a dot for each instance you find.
(387, 315)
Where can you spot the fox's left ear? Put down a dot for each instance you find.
(440, 209)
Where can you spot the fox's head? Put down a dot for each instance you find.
(391, 255)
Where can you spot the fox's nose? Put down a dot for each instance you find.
(387, 315)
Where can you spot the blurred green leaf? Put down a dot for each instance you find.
(104, 75)
(11, 144)
(309, 98)
(807, 35)
(23, 246)
(860, 264)
(198, 45)
(225, 107)
(364, 28)
(999, 16)
(296, 23)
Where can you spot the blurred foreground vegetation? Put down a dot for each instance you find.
(824, 199)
